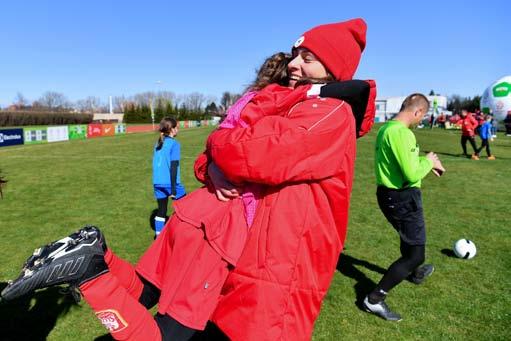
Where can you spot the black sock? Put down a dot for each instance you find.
(376, 296)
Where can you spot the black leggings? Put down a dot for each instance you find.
(486, 144)
(464, 140)
(412, 256)
(162, 207)
(170, 329)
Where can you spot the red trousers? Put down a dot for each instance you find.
(181, 263)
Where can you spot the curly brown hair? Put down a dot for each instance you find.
(273, 70)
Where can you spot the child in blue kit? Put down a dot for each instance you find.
(486, 136)
(166, 177)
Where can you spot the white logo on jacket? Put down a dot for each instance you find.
(299, 41)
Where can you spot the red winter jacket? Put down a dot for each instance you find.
(468, 125)
(223, 223)
(306, 161)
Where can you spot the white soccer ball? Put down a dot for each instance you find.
(464, 248)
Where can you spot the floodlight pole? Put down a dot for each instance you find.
(151, 106)
(158, 83)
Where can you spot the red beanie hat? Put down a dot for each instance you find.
(338, 46)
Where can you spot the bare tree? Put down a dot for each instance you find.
(91, 104)
(194, 101)
(144, 98)
(53, 100)
(103, 108)
(179, 100)
(37, 106)
(211, 109)
(226, 100)
(128, 106)
(166, 96)
(81, 106)
(120, 103)
(235, 97)
(20, 101)
(210, 99)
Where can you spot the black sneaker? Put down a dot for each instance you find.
(74, 260)
(381, 309)
(421, 273)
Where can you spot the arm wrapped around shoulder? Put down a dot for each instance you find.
(360, 95)
(310, 144)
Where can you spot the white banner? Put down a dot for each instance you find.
(56, 134)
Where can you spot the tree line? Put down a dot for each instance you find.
(457, 103)
(142, 106)
(137, 108)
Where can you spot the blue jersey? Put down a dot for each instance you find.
(170, 151)
(485, 131)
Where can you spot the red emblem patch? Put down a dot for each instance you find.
(112, 320)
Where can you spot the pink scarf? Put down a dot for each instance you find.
(233, 120)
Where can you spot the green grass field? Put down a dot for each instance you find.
(56, 188)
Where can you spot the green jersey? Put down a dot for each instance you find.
(397, 161)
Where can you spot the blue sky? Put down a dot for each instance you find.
(102, 48)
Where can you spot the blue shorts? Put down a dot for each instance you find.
(163, 191)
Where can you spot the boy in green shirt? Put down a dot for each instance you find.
(399, 171)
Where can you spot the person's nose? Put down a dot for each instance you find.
(294, 64)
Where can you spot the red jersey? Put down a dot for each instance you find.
(468, 125)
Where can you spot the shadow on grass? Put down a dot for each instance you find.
(462, 156)
(448, 253)
(347, 266)
(32, 317)
(459, 155)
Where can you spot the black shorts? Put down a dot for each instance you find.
(403, 209)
